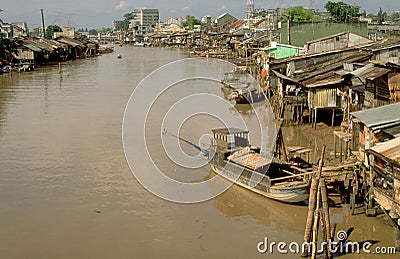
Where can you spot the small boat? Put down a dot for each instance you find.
(119, 56)
(139, 44)
(238, 85)
(239, 162)
(247, 96)
(236, 79)
(105, 49)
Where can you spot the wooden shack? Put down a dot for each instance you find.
(373, 126)
(385, 167)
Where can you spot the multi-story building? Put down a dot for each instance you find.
(145, 17)
(145, 21)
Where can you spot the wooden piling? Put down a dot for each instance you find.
(315, 225)
(313, 202)
(325, 207)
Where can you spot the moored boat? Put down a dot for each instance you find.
(247, 96)
(236, 160)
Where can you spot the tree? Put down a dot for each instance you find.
(51, 29)
(124, 25)
(93, 32)
(190, 21)
(298, 14)
(105, 30)
(395, 17)
(381, 16)
(343, 12)
(7, 48)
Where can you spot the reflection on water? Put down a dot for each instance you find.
(66, 190)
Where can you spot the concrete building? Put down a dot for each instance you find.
(145, 17)
(20, 29)
(66, 31)
(145, 21)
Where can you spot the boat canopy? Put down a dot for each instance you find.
(231, 137)
(249, 159)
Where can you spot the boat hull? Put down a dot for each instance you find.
(287, 192)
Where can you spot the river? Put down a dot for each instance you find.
(66, 190)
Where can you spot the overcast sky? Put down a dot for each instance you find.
(100, 13)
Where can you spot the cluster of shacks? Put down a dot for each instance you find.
(359, 79)
(37, 51)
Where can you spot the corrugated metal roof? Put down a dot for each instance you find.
(389, 149)
(370, 72)
(32, 47)
(394, 131)
(383, 115)
(229, 131)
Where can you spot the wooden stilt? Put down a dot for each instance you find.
(315, 119)
(315, 225)
(334, 145)
(325, 207)
(313, 203)
(341, 151)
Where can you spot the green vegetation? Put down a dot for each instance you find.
(7, 48)
(190, 21)
(105, 30)
(298, 14)
(93, 32)
(51, 29)
(395, 17)
(124, 25)
(343, 12)
(381, 16)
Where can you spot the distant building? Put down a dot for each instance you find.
(145, 17)
(206, 19)
(20, 29)
(269, 16)
(171, 20)
(66, 32)
(6, 29)
(145, 21)
(223, 18)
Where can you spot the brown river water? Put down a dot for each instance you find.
(66, 190)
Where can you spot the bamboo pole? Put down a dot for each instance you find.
(315, 225)
(325, 207)
(323, 229)
(313, 199)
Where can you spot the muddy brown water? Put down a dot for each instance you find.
(66, 190)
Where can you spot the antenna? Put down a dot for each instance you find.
(250, 8)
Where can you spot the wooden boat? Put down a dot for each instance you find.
(236, 160)
(236, 79)
(238, 85)
(247, 96)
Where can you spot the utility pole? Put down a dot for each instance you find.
(44, 28)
